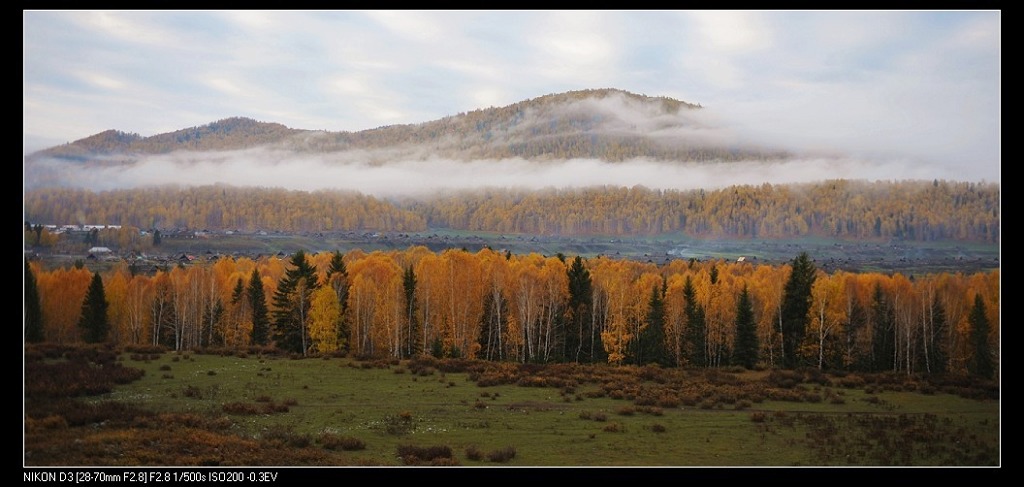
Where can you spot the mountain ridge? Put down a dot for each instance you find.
(239, 132)
(606, 124)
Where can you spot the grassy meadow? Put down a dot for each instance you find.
(262, 409)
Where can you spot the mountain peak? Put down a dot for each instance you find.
(602, 93)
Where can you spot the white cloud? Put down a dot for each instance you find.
(101, 80)
(731, 31)
(418, 26)
(574, 44)
(132, 27)
(225, 86)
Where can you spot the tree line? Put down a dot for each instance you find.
(533, 308)
(907, 210)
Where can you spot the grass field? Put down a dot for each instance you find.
(249, 409)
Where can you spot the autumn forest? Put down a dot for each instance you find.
(532, 308)
(905, 210)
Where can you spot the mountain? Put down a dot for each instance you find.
(227, 134)
(606, 124)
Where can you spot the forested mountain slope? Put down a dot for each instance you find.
(608, 125)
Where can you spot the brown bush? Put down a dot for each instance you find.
(502, 455)
(333, 441)
(77, 377)
(417, 455)
(668, 401)
(614, 428)
(287, 437)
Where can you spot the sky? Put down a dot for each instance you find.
(890, 87)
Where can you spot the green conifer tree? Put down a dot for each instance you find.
(745, 345)
(33, 308)
(93, 322)
(796, 302)
(291, 305)
(980, 363)
(258, 304)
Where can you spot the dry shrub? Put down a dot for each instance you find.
(332, 441)
(668, 401)
(418, 455)
(271, 408)
(614, 428)
(286, 437)
(653, 411)
(78, 377)
(645, 400)
(474, 453)
(48, 423)
(502, 455)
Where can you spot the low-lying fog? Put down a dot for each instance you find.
(274, 168)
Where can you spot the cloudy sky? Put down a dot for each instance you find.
(923, 87)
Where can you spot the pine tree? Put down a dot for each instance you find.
(938, 355)
(291, 305)
(581, 340)
(651, 347)
(796, 302)
(695, 334)
(980, 363)
(883, 325)
(337, 278)
(410, 331)
(258, 304)
(33, 308)
(93, 321)
(745, 346)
